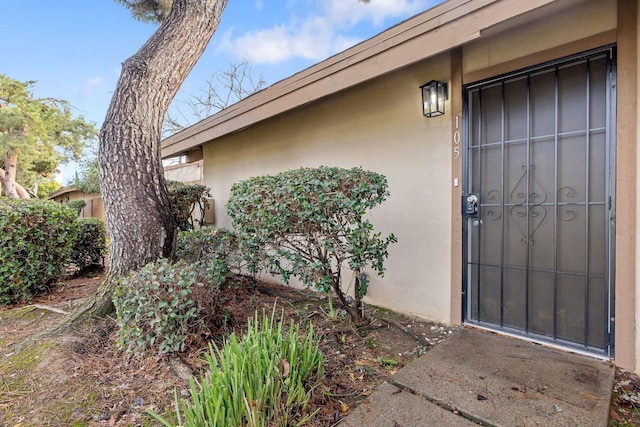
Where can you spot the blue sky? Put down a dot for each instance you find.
(73, 49)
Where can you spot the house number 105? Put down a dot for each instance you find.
(456, 141)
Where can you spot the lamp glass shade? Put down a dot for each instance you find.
(434, 95)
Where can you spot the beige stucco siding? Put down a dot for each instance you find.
(636, 349)
(637, 200)
(636, 331)
(186, 172)
(567, 25)
(93, 207)
(378, 126)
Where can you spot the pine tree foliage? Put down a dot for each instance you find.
(89, 179)
(148, 10)
(36, 134)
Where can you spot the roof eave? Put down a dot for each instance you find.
(61, 191)
(437, 30)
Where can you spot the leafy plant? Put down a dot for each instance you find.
(89, 179)
(265, 378)
(331, 312)
(185, 198)
(163, 307)
(215, 249)
(309, 223)
(387, 362)
(47, 187)
(77, 205)
(90, 247)
(36, 134)
(36, 239)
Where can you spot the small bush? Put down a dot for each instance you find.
(185, 198)
(90, 247)
(311, 223)
(164, 308)
(215, 249)
(77, 205)
(266, 378)
(36, 239)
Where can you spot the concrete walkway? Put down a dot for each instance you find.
(477, 377)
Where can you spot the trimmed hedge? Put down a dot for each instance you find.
(77, 205)
(311, 223)
(36, 240)
(90, 247)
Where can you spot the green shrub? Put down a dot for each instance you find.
(47, 187)
(265, 378)
(185, 198)
(215, 249)
(164, 308)
(36, 239)
(77, 205)
(90, 247)
(309, 223)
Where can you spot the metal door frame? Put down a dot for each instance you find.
(610, 188)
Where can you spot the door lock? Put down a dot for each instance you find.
(470, 204)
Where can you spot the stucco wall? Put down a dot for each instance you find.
(575, 22)
(378, 126)
(637, 202)
(185, 172)
(636, 331)
(93, 207)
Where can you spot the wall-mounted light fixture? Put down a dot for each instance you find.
(434, 94)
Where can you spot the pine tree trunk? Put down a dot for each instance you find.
(20, 190)
(11, 166)
(140, 222)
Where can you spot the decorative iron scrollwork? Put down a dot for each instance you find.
(565, 213)
(493, 213)
(527, 209)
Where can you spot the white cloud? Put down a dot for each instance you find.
(322, 32)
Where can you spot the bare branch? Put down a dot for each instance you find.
(223, 89)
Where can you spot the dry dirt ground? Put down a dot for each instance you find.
(83, 380)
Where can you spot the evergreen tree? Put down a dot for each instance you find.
(139, 215)
(88, 180)
(35, 136)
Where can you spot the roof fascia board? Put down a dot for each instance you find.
(435, 31)
(336, 62)
(62, 191)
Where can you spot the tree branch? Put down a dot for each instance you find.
(22, 192)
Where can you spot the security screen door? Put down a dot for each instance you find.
(540, 164)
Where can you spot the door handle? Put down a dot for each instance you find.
(470, 204)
